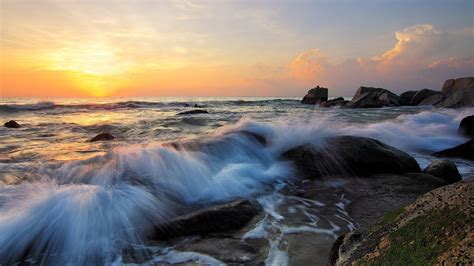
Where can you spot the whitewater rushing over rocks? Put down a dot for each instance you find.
(64, 200)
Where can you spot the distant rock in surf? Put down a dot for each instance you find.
(369, 97)
(466, 127)
(459, 93)
(218, 218)
(193, 112)
(339, 101)
(444, 169)
(12, 124)
(465, 151)
(102, 137)
(350, 155)
(316, 95)
(406, 97)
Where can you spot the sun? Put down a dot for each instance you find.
(95, 67)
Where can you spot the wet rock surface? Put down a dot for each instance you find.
(193, 112)
(12, 124)
(464, 151)
(218, 218)
(102, 137)
(466, 127)
(444, 169)
(316, 95)
(349, 155)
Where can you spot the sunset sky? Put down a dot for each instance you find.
(230, 48)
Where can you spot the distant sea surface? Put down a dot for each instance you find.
(138, 177)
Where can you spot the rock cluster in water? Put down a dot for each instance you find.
(455, 93)
(12, 124)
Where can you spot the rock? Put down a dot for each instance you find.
(197, 106)
(186, 105)
(368, 97)
(339, 101)
(423, 94)
(219, 218)
(459, 93)
(466, 127)
(193, 112)
(349, 155)
(316, 95)
(406, 97)
(442, 217)
(444, 169)
(102, 136)
(433, 99)
(12, 124)
(465, 151)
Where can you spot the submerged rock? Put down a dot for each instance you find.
(193, 112)
(458, 92)
(219, 218)
(12, 124)
(316, 95)
(368, 97)
(444, 169)
(102, 137)
(465, 151)
(466, 127)
(435, 229)
(350, 155)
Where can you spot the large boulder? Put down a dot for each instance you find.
(444, 169)
(218, 218)
(466, 127)
(459, 93)
(350, 155)
(465, 151)
(423, 94)
(406, 97)
(368, 97)
(12, 124)
(436, 229)
(316, 95)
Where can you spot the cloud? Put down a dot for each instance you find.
(423, 56)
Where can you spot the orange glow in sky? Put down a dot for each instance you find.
(55, 48)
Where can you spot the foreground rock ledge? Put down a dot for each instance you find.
(218, 218)
(435, 229)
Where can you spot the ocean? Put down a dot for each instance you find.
(85, 201)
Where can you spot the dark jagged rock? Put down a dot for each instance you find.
(316, 95)
(339, 101)
(406, 97)
(465, 151)
(466, 127)
(368, 97)
(459, 93)
(12, 124)
(444, 169)
(193, 112)
(423, 94)
(219, 218)
(102, 137)
(349, 155)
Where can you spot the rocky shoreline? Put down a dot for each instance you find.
(367, 178)
(455, 93)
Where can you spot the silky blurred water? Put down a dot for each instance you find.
(85, 200)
